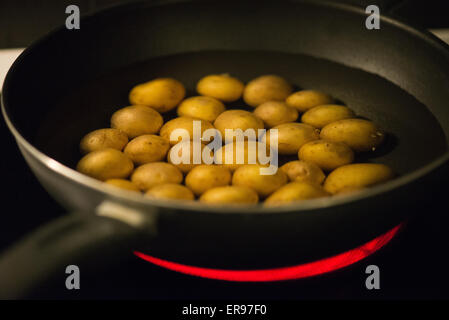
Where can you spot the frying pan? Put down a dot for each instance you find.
(71, 81)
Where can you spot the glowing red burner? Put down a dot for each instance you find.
(287, 273)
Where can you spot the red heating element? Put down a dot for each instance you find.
(306, 270)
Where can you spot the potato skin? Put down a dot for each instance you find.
(102, 139)
(155, 173)
(105, 164)
(220, 86)
(183, 123)
(170, 191)
(137, 120)
(237, 119)
(205, 177)
(326, 154)
(357, 176)
(123, 184)
(200, 107)
(249, 150)
(291, 136)
(249, 176)
(303, 171)
(147, 148)
(359, 134)
(230, 195)
(266, 88)
(295, 191)
(306, 99)
(322, 115)
(274, 113)
(186, 167)
(161, 94)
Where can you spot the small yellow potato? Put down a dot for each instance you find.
(361, 135)
(321, 116)
(220, 86)
(205, 177)
(357, 176)
(327, 155)
(303, 171)
(170, 191)
(102, 139)
(237, 119)
(147, 148)
(137, 120)
(266, 88)
(230, 195)
(295, 191)
(249, 176)
(193, 146)
(105, 164)
(274, 113)
(291, 137)
(162, 94)
(123, 184)
(306, 99)
(205, 108)
(155, 173)
(245, 152)
(186, 123)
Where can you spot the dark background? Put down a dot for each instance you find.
(23, 21)
(414, 265)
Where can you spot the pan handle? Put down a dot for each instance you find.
(73, 239)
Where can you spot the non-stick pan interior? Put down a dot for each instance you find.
(71, 82)
(414, 134)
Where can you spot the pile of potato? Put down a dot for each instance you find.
(134, 154)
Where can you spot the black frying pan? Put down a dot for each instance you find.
(70, 82)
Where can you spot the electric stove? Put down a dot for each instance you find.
(411, 257)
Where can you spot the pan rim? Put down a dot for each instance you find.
(110, 192)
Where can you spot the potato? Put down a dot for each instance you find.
(137, 120)
(162, 94)
(155, 173)
(295, 191)
(170, 191)
(291, 136)
(306, 99)
(220, 86)
(274, 113)
(326, 154)
(105, 164)
(248, 150)
(186, 123)
(361, 135)
(249, 176)
(102, 139)
(327, 113)
(123, 184)
(237, 119)
(357, 176)
(147, 148)
(193, 146)
(266, 88)
(303, 171)
(230, 195)
(204, 108)
(205, 177)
